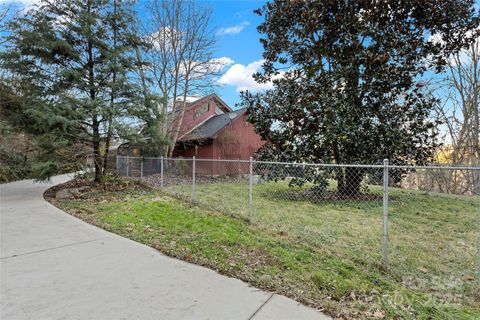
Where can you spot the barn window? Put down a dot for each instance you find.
(218, 111)
(200, 110)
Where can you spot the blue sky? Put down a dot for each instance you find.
(238, 40)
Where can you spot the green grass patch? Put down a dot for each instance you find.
(324, 254)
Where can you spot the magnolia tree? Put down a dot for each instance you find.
(348, 91)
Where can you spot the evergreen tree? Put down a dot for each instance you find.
(345, 77)
(73, 62)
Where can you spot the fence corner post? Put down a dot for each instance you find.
(385, 214)
(193, 178)
(161, 172)
(141, 167)
(250, 191)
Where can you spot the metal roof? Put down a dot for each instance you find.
(210, 127)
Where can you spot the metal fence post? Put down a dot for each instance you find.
(161, 172)
(193, 178)
(238, 168)
(128, 166)
(478, 265)
(385, 214)
(141, 167)
(250, 190)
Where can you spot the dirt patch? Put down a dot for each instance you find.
(84, 189)
(254, 258)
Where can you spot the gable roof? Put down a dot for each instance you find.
(193, 101)
(211, 126)
(215, 97)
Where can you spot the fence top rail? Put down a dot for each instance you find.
(223, 160)
(332, 165)
(434, 167)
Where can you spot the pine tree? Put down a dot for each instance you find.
(73, 62)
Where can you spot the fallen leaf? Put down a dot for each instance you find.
(423, 270)
(379, 314)
(468, 277)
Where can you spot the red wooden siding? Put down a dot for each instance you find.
(237, 140)
(194, 117)
(200, 152)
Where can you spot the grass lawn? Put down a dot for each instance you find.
(325, 254)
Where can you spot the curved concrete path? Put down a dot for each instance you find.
(54, 266)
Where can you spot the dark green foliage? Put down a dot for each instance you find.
(13, 165)
(349, 91)
(72, 64)
(149, 138)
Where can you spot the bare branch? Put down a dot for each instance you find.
(180, 57)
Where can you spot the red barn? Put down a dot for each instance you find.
(212, 130)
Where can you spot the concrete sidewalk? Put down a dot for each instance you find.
(54, 266)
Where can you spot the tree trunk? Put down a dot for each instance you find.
(176, 131)
(112, 99)
(107, 147)
(172, 118)
(349, 181)
(97, 158)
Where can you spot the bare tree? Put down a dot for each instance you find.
(152, 120)
(464, 80)
(197, 64)
(460, 112)
(181, 58)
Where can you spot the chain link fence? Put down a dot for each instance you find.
(420, 224)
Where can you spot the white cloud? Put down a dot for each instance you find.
(233, 30)
(163, 38)
(217, 64)
(241, 77)
(201, 69)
